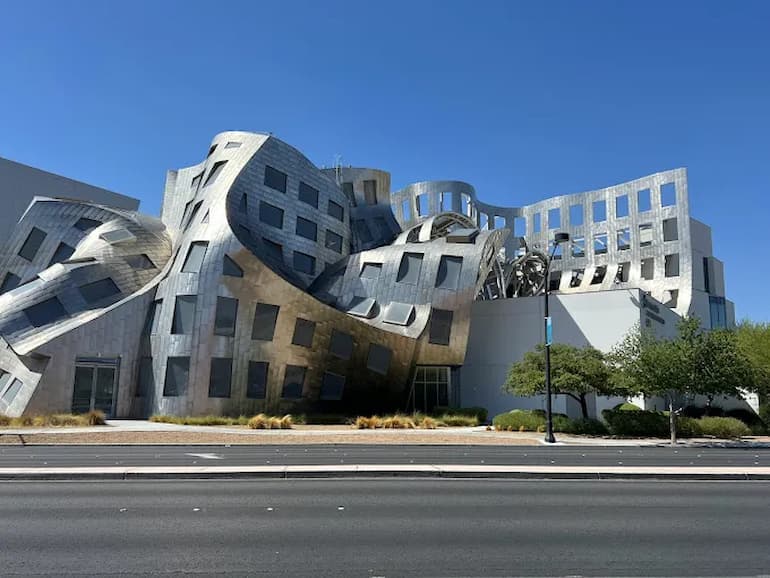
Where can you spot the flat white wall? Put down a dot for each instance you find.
(503, 331)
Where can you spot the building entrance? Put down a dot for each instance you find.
(95, 385)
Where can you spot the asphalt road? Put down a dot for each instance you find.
(387, 528)
(133, 456)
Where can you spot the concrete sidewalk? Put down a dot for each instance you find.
(523, 472)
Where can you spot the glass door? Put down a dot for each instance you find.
(94, 387)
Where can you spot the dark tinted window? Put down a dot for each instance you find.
(153, 318)
(293, 382)
(303, 332)
(333, 241)
(221, 374)
(265, 317)
(336, 211)
(341, 344)
(370, 192)
(214, 173)
(45, 312)
(307, 229)
(10, 283)
(195, 255)
(332, 386)
(30, 247)
(227, 311)
(273, 251)
(146, 383)
(440, 326)
(63, 252)
(304, 263)
(177, 374)
(102, 289)
(231, 268)
(308, 194)
(184, 314)
(85, 225)
(256, 388)
(271, 215)
(449, 272)
(275, 179)
(140, 261)
(371, 270)
(378, 359)
(409, 270)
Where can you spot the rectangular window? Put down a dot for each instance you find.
(600, 211)
(184, 315)
(230, 268)
(499, 222)
(195, 256)
(98, 290)
(670, 229)
(45, 312)
(600, 243)
(146, 384)
(333, 241)
(440, 326)
(141, 262)
(271, 215)
(63, 252)
(446, 202)
(265, 317)
(304, 263)
(554, 218)
(84, 224)
(304, 330)
(648, 269)
(275, 179)
(465, 204)
(256, 387)
(307, 229)
(214, 173)
(232, 145)
(336, 211)
(273, 251)
(599, 274)
(10, 394)
(378, 359)
(718, 312)
(31, 246)
(579, 247)
(672, 265)
(575, 215)
(577, 278)
(332, 386)
(308, 194)
(668, 195)
(226, 314)
(10, 282)
(706, 275)
(370, 192)
(347, 188)
(197, 208)
(409, 270)
(293, 382)
(341, 345)
(624, 272)
(371, 271)
(554, 282)
(644, 200)
(449, 272)
(624, 239)
(423, 209)
(220, 376)
(177, 374)
(406, 209)
(621, 206)
(645, 235)
(536, 223)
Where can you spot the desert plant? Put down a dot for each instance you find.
(259, 421)
(398, 421)
(459, 420)
(428, 422)
(287, 422)
(96, 417)
(723, 427)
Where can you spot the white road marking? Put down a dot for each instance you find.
(206, 456)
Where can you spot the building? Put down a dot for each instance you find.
(269, 285)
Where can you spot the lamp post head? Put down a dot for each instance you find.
(560, 238)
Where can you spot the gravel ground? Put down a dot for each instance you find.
(269, 437)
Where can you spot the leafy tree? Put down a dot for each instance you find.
(575, 372)
(695, 362)
(754, 342)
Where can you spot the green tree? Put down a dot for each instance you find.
(695, 362)
(575, 372)
(754, 342)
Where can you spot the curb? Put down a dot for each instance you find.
(384, 471)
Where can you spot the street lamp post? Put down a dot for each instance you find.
(558, 239)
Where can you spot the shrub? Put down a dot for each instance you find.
(428, 422)
(480, 413)
(398, 421)
(4, 420)
(459, 420)
(96, 417)
(287, 422)
(626, 406)
(259, 421)
(756, 424)
(723, 427)
(590, 427)
(639, 423)
(518, 420)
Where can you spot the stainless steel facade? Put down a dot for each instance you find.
(270, 285)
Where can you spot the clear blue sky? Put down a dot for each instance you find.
(522, 99)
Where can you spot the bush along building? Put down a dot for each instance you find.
(269, 285)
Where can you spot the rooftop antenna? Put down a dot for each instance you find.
(338, 168)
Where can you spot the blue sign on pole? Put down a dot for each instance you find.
(548, 331)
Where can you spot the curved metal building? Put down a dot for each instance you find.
(271, 285)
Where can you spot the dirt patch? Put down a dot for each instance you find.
(267, 438)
